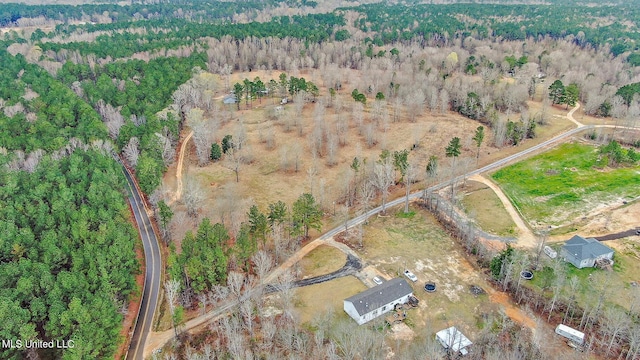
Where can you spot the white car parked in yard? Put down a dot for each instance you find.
(410, 275)
(377, 280)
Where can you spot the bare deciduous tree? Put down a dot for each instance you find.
(382, 179)
(111, 117)
(202, 300)
(203, 131)
(131, 151)
(168, 152)
(332, 149)
(263, 263)
(616, 324)
(370, 135)
(444, 101)
(415, 103)
(192, 195)
(235, 281)
(171, 288)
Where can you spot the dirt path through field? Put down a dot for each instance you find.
(178, 193)
(526, 238)
(570, 116)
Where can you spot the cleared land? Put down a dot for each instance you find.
(322, 260)
(315, 300)
(616, 286)
(277, 140)
(561, 185)
(482, 204)
(419, 244)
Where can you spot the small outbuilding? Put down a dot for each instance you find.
(583, 252)
(378, 300)
(229, 99)
(453, 340)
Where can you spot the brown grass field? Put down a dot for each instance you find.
(263, 181)
(322, 260)
(482, 204)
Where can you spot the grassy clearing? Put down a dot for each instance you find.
(483, 205)
(418, 243)
(322, 260)
(616, 283)
(565, 183)
(315, 300)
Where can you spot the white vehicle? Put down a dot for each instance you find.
(410, 275)
(550, 252)
(377, 280)
(572, 334)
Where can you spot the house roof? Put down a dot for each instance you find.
(453, 338)
(583, 248)
(380, 295)
(229, 99)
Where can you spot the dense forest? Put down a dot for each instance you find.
(100, 79)
(66, 255)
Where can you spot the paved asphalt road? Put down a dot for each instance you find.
(152, 276)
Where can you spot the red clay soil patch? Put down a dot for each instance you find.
(511, 310)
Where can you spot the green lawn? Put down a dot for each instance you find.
(565, 183)
(592, 281)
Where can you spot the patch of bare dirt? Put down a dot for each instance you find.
(402, 331)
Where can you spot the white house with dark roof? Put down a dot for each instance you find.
(373, 302)
(583, 252)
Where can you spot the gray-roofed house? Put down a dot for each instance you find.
(583, 252)
(373, 302)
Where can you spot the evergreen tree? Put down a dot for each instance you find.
(556, 92)
(478, 138)
(306, 214)
(216, 152)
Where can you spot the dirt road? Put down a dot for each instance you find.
(157, 340)
(570, 116)
(526, 238)
(178, 193)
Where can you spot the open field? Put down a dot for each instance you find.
(482, 204)
(272, 175)
(563, 184)
(322, 260)
(315, 300)
(420, 245)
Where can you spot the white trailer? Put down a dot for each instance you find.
(570, 333)
(550, 252)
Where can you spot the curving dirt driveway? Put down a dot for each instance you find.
(158, 339)
(570, 116)
(525, 237)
